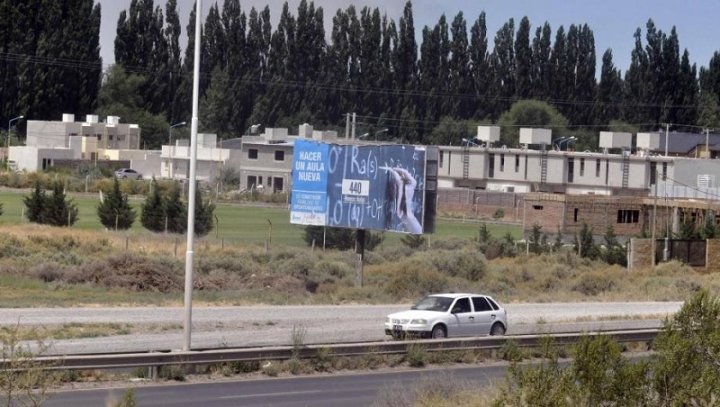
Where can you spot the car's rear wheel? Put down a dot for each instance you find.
(497, 330)
(438, 332)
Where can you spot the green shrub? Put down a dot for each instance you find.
(416, 355)
(271, 368)
(172, 372)
(411, 278)
(595, 282)
(466, 263)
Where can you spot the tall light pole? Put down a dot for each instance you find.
(7, 150)
(565, 140)
(189, 255)
(172, 163)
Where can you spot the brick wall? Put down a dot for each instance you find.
(479, 203)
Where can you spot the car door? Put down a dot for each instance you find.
(462, 317)
(484, 316)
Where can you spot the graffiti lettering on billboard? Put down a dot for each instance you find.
(367, 187)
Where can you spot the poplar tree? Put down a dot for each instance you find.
(609, 96)
(502, 64)
(459, 76)
(523, 60)
(480, 67)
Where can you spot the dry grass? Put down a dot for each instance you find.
(41, 265)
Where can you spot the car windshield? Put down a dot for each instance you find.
(440, 304)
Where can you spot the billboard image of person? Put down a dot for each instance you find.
(377, 187)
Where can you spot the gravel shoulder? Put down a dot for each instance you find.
(249, 326)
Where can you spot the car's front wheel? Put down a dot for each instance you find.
(497, 330)
(438, 332)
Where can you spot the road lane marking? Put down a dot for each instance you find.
(289, 393)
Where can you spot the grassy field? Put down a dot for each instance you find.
(237, 223)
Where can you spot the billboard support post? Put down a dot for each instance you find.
(360, 251)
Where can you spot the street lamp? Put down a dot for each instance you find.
(566, 140)
(362, 136)
(170, 130)
(7, 150)
(253, 129)
(10, 126)
(171, 146)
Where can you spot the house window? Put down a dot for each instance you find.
(517, 162)
(111, 137)
(653, 173)
(582, 167)
(278, 184)
(571, 170)
(279, 155)
(575, 215)
(628, 216)
(251, 182)
(538, 207)
(491, 165)
(597, 168)
(442, 158)
(664, 175)
(502, 162)
(260, 181)
(253, 154)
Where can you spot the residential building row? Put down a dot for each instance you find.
(555, 186)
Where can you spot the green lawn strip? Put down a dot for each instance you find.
(244, 223)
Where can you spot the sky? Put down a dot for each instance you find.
(612, 21)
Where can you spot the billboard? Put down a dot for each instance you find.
(361, 187)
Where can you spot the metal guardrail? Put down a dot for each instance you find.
(133, 360)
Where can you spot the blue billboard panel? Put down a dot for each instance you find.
(360, 187)
(309, 180)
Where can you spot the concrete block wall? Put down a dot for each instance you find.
(640, 254)
(712, 264)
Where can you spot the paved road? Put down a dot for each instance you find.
(272, 325)
(347, 390)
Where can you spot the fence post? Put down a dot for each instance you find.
(176, 243)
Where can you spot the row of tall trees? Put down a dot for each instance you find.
(49, 58)
(254, 72)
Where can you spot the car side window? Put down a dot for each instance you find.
(493, 304)
(462, 305)
(481, 304)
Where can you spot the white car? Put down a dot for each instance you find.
(446, 315)
(123, 173)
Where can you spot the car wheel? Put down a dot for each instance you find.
(497, 330)
(438, 332)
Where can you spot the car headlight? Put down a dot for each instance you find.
(419, 322)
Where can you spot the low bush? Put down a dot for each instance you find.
(412, 278)
(464, 263)
(595, 282)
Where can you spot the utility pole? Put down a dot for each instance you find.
(707, 143)
(354, 116)
(654, 219)
(347, 126)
